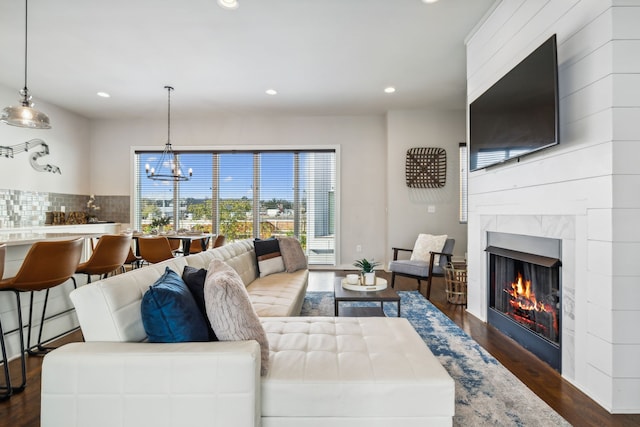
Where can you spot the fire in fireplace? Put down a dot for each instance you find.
(539, 315)
(524, 298)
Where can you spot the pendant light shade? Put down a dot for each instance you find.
(25, 115)
(168, 166)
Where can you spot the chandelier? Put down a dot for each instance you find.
(168, 166)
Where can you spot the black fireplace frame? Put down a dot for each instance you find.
(518, 247)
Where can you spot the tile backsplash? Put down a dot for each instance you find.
(28, 208)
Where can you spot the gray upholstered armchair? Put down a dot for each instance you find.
(421, 270)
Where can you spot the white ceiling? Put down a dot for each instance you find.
(322, 56)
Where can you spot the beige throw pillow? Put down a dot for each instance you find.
(292, 254)
(229, 309)
(426, 243)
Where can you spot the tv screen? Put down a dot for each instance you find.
(518, 114)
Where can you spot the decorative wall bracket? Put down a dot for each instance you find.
(24, 147)
(426, 167)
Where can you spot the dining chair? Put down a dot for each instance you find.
(175, 246)
(132, 259)
(46, 265)
(109, 255)
(154, 249)
(219, 241)
(196, 246)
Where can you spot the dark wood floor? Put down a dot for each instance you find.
(23, 409)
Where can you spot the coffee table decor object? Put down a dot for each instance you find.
(367, 270)
(379, 285)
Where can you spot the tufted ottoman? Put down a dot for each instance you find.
(352, 372)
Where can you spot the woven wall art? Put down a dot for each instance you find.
(426, 167)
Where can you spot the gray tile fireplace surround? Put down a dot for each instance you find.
(28, 208)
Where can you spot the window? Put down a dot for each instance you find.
(464, 179)
(247, 194)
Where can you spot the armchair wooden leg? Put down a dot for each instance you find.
(429, 288)
(393, 279)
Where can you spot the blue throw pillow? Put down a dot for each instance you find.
(170, 313)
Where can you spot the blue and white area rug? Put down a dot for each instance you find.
(486, 392)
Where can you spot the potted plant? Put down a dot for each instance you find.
(160, 223)
(367, 270)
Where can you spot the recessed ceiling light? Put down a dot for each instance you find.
(228, 4)
(389, 89)
(429, 1)
(103, 95)
(271, 92)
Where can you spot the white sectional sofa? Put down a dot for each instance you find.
(323, 371)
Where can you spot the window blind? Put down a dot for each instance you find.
(464, 179)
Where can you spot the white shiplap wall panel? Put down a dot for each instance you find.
(626, 89)
(576, 74)
(627, 20)
(592, 130)
(626, 293)
(600, 290)
(625, 158)
(587, 101)
(626, 193)
(626, 56)
(626, 124)
(600, 223)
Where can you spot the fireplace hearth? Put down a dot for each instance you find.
(524, 292)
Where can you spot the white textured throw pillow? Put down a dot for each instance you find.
(229, 309)
(426, 243)
(271, 265)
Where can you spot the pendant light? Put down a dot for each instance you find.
(25, 115)
(168, 167)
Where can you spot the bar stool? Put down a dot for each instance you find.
(47, 264)
(5, 362)
(109, 255)
(154, 249)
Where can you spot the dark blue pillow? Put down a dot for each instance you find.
(194, 279)
(170, 313)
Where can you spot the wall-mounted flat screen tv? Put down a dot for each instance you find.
(518, 115)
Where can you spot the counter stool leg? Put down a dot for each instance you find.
(38, 349)
(23, 363)
(5, 363)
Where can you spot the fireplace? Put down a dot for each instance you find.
(524, 292)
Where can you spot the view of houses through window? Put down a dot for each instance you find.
(245, 194)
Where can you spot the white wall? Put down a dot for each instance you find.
(68, 141)
(583, 191)
(409, 207)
